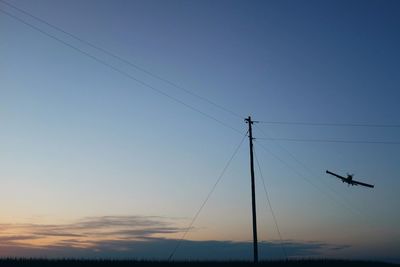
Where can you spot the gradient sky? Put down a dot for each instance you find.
(94, 162)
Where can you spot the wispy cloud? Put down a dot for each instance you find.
(105, 227)
(132, 237)
(12, 238)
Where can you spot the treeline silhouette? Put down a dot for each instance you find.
(147, 263)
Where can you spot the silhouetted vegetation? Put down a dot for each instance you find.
(123, 263)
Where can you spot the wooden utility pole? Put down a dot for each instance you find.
(253, 193)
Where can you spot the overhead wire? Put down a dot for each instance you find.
(206, 199)
(270, 207)
(332, 124)
(98, 60)
(330, 141)
(128, 62)
(230, 111)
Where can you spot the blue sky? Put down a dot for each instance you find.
(79, 140)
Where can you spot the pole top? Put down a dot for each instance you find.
(248, 120)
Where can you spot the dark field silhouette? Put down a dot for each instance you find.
(123, 263)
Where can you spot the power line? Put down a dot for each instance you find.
(98, 60)
(330, 141)
(270, 207)
(128, 62)
(331, 124)
(206, 199)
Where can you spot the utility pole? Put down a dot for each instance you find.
(253, 193)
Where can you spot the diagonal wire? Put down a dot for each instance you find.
(270, 207)
(98, 60)
(206, 199)
(128, 62)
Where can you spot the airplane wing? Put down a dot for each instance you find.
(350, 181)
(363, 184)
(338, 176)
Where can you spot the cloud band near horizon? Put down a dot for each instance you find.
(135, 237)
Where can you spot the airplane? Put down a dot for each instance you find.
(349, 179)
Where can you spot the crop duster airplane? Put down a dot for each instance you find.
(349, 179)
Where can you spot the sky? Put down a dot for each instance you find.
(108, 158)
